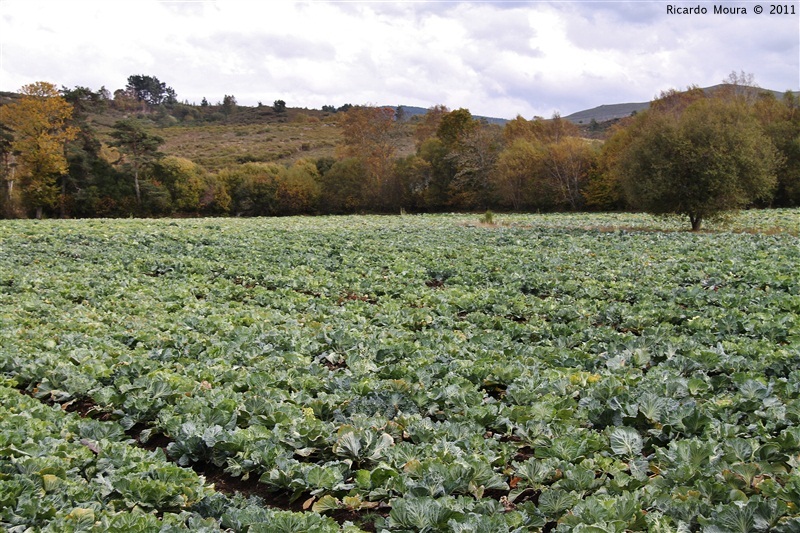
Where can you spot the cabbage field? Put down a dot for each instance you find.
(591, 373)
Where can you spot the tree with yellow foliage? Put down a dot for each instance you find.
(545, 164)
(39, 122)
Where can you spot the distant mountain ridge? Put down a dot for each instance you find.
(411, 111)
(606, 112)
(601, 113)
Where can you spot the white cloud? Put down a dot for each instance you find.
(497, 59)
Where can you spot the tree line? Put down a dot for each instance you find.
(692, 153)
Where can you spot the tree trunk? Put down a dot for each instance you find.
(39, 213)
(63, 206)
(10, 181)
(136, 187)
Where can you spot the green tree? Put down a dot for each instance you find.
(139, 149)
(449, 142)
(40, 125)
(437, 188)
(710, 158)
(83, 99)
(149, 90)
(95, 188)
(183, 179)
(455, 126)
(342, 190)
(413, 175)
(254, 187)
(229, 104)
(279, 106)
(298, 189)
(191, 188)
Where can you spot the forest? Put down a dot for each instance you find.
(74, 153)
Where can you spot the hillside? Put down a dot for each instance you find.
(604, 113)
(607, 112)
(216, 139)
(409, 112)
(250, 134)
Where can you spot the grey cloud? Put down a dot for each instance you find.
(622, 13)
(261, 45)
(502, 30)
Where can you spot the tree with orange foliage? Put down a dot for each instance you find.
(603, 189)
(474, 158)
(370, 135)
(427, 127)
(780, 120)
(39, 122)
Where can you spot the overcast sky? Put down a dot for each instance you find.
(494, 58)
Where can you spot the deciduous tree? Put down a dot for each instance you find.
(443, 153)
(474, 158)
(710, 158)
(429, 124)
(229, 104)
(40, 125)
(780, 119)
(556, 129)
(455, 126)
(567, 164)
(184, 180)
(517, 175)
(604, 190)
(441, 172)
(299, 189)
(414, 176)
(371, 136)
(342, 186)
(546, 161)
(7, 168)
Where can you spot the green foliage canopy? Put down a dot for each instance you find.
(711, 158)
(138, 147)
(150, 90)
